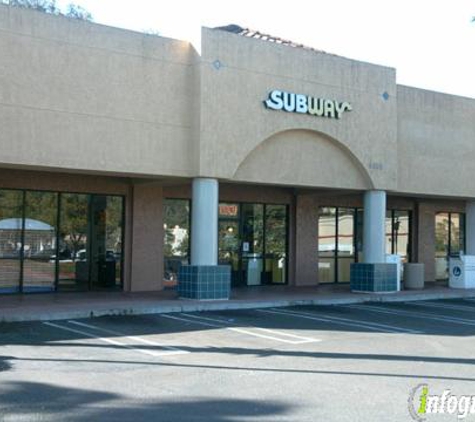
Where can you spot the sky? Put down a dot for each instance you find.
(430, 43)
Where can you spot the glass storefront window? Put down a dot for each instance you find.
(276, 243)
(228, 244)
(253, 241)
(73, 252)
(11, 223)
(60, 241)
(340, 240)
(105, 242)
(327, 244)
(402, 232)
(346, 242)
(449, 240)
(398, 225)
(177, 237)
(114, 235)
(40, 236)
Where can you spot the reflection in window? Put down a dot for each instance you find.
(66, 241)
(340, 240)
(73, 251)
(105, 242)
(176, 237)
(252, 239)
(114, 235)
(276, 243)
(346, 242)
(41, 216)
(449, 240)
(327, 244)
(11, 215)
(398, 232)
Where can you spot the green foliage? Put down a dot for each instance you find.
(49, 6)
(177, 213)
(74, 212)
(77, 12)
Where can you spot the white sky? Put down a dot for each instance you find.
(431, 43)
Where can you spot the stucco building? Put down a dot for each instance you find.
(279, 162)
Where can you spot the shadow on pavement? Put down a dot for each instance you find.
(38, 401)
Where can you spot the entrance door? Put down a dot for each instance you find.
(449, 240)
(252, 246)
(229, 248)
(90, 244)
(253, 241)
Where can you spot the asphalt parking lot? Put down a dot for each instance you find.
(326, 363)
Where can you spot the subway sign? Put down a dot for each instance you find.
(304, 104)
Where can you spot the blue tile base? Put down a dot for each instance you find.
(377, 278)
(204, 282)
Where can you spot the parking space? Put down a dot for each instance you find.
(269, 364)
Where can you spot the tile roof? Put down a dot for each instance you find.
(250, 33)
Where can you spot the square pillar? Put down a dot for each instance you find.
(425, 245)
(147, 238)
(306, 241)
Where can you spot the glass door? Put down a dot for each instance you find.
(275, 244)
(73, 248)
(346, 243)
(253, 241)
(449, 240)
(229, 248)
(252, 248)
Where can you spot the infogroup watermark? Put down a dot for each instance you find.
(422, 404)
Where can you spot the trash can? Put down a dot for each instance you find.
(462, 272)
(413, 276)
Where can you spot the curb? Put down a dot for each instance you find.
(139, 309)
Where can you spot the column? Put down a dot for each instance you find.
(306, 228)
(204, 278)
(204, 222)
(470, 227)
(374, 227)
(374, 274)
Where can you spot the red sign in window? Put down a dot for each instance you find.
(228, 210)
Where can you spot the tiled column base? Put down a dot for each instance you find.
(373, 277)
(204, 282)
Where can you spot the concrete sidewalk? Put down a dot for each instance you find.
(57, 306)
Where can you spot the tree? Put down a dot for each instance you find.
(77, 12)
(49, 6)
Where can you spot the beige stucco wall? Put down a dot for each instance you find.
(306, 240)
(436, 143)
(147, 238)
(77, 95)
(236, 127)
(85, 97)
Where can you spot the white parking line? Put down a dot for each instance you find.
(373, 326)
(443, 305)
(171, 350)
(413, 314)
(103, 339)
(220, 324)
(300, 340)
